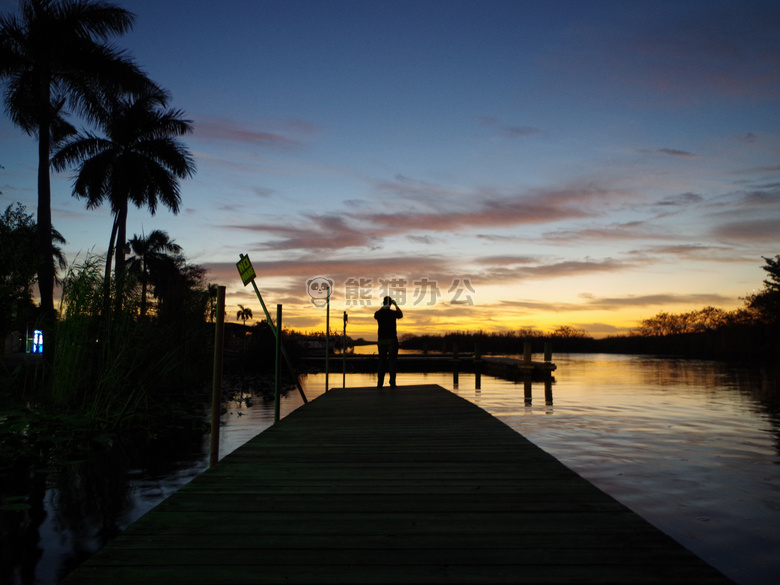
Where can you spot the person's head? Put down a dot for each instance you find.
(387, 301)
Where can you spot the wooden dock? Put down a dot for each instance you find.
(499, 367)
(406, 485)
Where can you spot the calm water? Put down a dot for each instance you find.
(692, 446)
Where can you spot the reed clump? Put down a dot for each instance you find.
(118, 368)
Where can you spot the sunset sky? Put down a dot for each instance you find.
(500, 164)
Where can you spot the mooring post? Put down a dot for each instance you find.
(547, 351)
(527, 353)
(216, 381)
(455, 364)
(278, 364)
(527, 383)
(477, 367)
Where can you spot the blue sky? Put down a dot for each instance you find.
(499, 165)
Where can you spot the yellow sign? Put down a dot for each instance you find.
(245, 269)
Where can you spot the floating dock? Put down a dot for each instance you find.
(407, 485)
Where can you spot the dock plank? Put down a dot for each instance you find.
(406, 485)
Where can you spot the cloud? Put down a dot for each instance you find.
(508, 130)
(698, 252)
(262, 192)
(766, 197)
(419, 191)
(659, 300)
(519, 131)
(507, 260)
(341, 269)
(488, 208)
(481, 210)
(632, 230)
(748, 138)
(323, 232)
(220, 129)
(423, 240)
(681, 200)
(755, 230)
(496, 269)
(574, 268)
(675, 152)
(615, 303)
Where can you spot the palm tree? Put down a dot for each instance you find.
(244, 313)
(149, 251)
(137, 160)
(55, 54)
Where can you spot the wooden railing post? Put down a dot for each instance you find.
(216, 381)
(278, 363)
(477, 367)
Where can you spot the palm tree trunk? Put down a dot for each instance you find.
(119, 270)
(44, 226)
(145, 277)
(107, 274)
(45, 261)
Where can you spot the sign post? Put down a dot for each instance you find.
(247, 273)
(344, 355)
(327, 340)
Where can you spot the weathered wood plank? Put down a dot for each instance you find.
(412, 485)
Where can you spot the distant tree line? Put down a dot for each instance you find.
(566, 338)
(752, 331)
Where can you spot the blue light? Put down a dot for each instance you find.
(37, 345)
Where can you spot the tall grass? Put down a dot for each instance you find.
(108, 366)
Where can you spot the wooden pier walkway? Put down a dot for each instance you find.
(406, 485)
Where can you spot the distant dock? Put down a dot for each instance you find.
(499, 367)
(406, 485)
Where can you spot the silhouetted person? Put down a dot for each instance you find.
(387, 339)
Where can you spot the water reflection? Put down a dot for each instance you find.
(54, 517)
(693, 446)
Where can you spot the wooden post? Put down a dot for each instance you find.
(527, 353)
(477, 367)
(455, 364)
(327, 339)
(216, 381)
(547, 351)
(344, 355)
(278, 365)
(527, 387)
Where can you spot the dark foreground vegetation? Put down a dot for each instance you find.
(110, 361)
